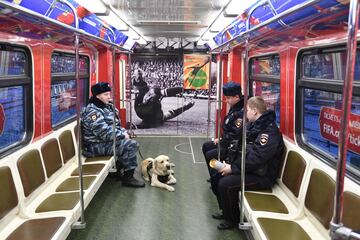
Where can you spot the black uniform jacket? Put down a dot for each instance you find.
(232, 126)
(264, 148)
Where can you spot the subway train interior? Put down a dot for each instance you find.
(168, 65)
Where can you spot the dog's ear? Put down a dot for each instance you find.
(155, 163)
(172, 164)
(149, 159)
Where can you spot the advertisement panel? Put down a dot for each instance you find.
(330, 119)
(196, 71)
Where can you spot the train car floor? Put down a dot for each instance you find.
(151, 213)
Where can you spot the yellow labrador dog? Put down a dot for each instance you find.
(158, 171)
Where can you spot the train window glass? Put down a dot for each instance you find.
(12, 116)
(12, 63)
(266, 66)
(63, 87)
(15, 108)
(330, 66)
(66, 64)
(265, 80)
(270, 92)
(320, 102)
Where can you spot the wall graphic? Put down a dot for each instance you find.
(196, 71)
(161, 103)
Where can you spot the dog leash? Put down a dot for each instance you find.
(138, 148)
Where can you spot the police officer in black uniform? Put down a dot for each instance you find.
(232, 125)
(263, 153)
(148, 102)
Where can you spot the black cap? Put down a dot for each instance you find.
(231, 89)
(99, 88)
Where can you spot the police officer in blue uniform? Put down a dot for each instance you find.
(97, 127)
(232, 125)
(263, 153)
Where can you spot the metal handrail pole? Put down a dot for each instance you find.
(242, 224)
(114, 108)
(346, 107)
(209, 103)
(130, 103)
(220, 81)
(51, 8)
(273, 10)
(82, 223)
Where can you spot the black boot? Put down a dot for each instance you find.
(129, 180)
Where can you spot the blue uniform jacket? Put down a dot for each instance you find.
(264, 148)
(232, 125)
(97, 124)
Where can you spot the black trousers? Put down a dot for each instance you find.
(226, 189)
(210, 151)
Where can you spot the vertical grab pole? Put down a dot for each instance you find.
(82, 223)
(242, 224)
(114, 107)
(130, 100)
(346, 107)
(209, 102)
(219, 101)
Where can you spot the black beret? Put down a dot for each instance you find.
(99, 88)
(231, 89)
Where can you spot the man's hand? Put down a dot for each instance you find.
(216, 141)
(126, 135)
(225, 171)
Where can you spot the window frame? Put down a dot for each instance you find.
(263, 77)
(25, 81)
(59, 77)
(327, 85)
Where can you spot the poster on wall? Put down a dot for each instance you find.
(161, 104)
(196, 71)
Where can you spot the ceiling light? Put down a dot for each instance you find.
(164, 22)
(114, 21)
(237, 7)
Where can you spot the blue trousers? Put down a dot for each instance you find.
(125, 152)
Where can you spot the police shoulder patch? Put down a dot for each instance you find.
(264, 139)
(238, 123)
(93, 117)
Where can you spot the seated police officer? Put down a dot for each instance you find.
(263, 153)
(97, 128)
(231, 126)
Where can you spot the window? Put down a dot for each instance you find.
(265, 81)
(320, 84)
(63, 87)
(15, 92)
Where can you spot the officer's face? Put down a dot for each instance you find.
(104, 97)
(251, 114)
(232, 100)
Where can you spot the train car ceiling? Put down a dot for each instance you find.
(169, 24)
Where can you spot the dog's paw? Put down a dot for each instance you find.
(171, 181)
(170, 188)
(147, 179)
